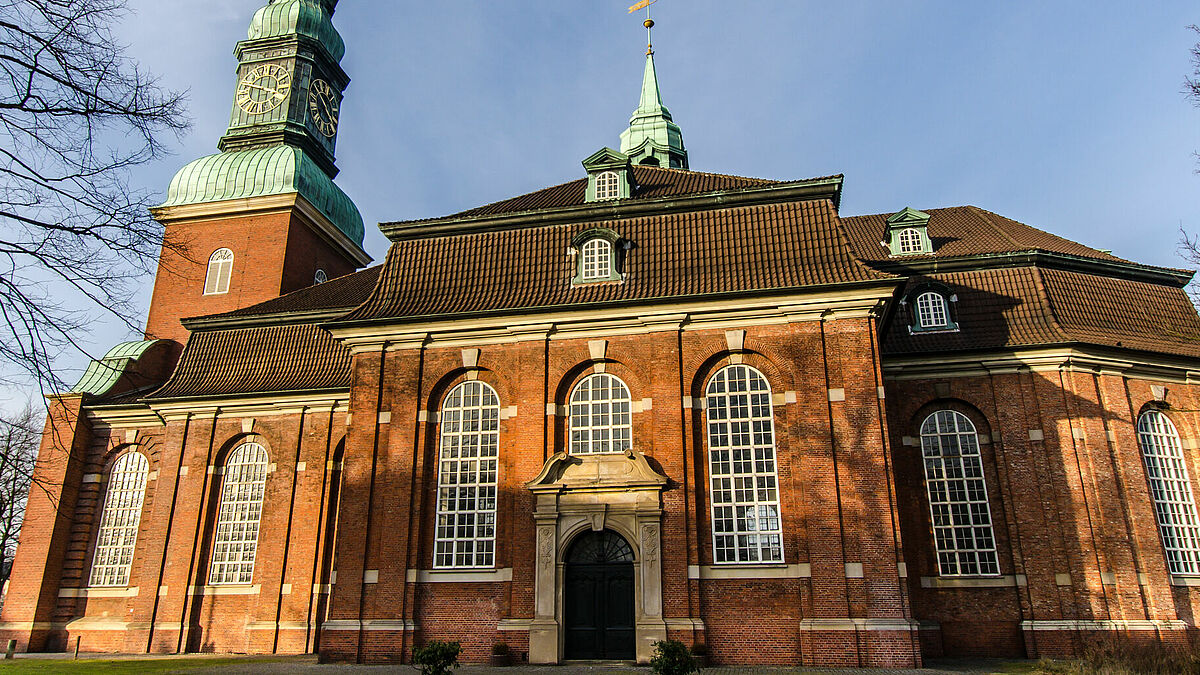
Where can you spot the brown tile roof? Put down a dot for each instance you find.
(743, 249)
(652, 183)
(1028, 306)
(258, 360)
(345, 292)
(965, 231)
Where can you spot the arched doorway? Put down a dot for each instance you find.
(598, 598)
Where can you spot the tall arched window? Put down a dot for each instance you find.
(220, 269)
(1171, 490)
(119, 520)
(608, 185)
(470, 445)
(958, 499)
(236, 540)
(597, 260)
(741, 461)
(600, 416)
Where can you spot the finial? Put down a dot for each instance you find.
(649, 36)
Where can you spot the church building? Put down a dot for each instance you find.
(647, 403)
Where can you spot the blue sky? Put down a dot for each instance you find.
(1068, 116)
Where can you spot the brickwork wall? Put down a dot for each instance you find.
(1071, 509)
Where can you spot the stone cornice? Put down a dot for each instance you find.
(1047, 358)
(1045, 259)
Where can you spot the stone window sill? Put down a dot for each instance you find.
(99, 592)
(1007, 581)
(750, 571)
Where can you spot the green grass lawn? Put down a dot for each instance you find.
(139, 665)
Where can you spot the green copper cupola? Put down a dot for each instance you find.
(653, 137)
(283, 130)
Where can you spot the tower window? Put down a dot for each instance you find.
(597, 260)
(220, 269)
(236, 540)
(741, 461)
(470, 445)
(119, 521)
(1171, 490)
(911, 242)
(608, 185)
(931, 311)
(320, 277)
(600, 416)
(958, 499)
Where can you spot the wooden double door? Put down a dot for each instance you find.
(598, 598)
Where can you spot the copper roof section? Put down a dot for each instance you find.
(258, 361)
(750, 249)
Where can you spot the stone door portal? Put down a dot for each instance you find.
(598, 600)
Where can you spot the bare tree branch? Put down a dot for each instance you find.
(19, 434)
(76, 115)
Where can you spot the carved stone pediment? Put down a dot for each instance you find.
(629, 469)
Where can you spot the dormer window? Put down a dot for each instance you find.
(910, 241)
(610, 176)
(320, 277)
(932, 310)
(908, 233)
(597, 256)
(608, 185)
(597, 261)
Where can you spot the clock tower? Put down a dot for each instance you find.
(263, 216)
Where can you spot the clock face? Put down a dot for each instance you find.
(323, 107)
(264, 88)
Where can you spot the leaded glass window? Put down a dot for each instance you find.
(236, 541)
(597, 260)
(608, 185)
(470, 446)
(601, 420)
(958, 498)
(220, 269)
(1171, 490)
(931, 310)
(119, 520)
(746, 522)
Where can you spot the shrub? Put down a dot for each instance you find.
(700, 649)
(500, 649)
(671, 657)
(437, 657)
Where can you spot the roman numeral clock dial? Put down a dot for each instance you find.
(323, 107)
(264, 89)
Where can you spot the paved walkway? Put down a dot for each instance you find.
(309, 665)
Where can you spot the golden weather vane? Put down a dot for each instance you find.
(645, 4)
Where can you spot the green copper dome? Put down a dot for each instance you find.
(299, 17)
(273, 170)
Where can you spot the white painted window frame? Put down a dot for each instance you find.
(747, 521)
(112, 561)
(608, 185)
(239, 516)
(1171, 491)
(220, 271)
(597, 264)
(960, 511)
(911, 241)
(932, 310)
(468, 470)
(600, 417)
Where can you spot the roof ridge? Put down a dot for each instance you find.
(724, 175)
(983, 215)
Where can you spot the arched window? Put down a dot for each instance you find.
(600, 416)
(220, 269)
(741, 462)
(470, 445)
(958, 499)
(608, 185)
(119, 520)
(1171, 490)
(320, 277)
(910, 241)
(597, 260)
(931, 310)
(236, 540)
